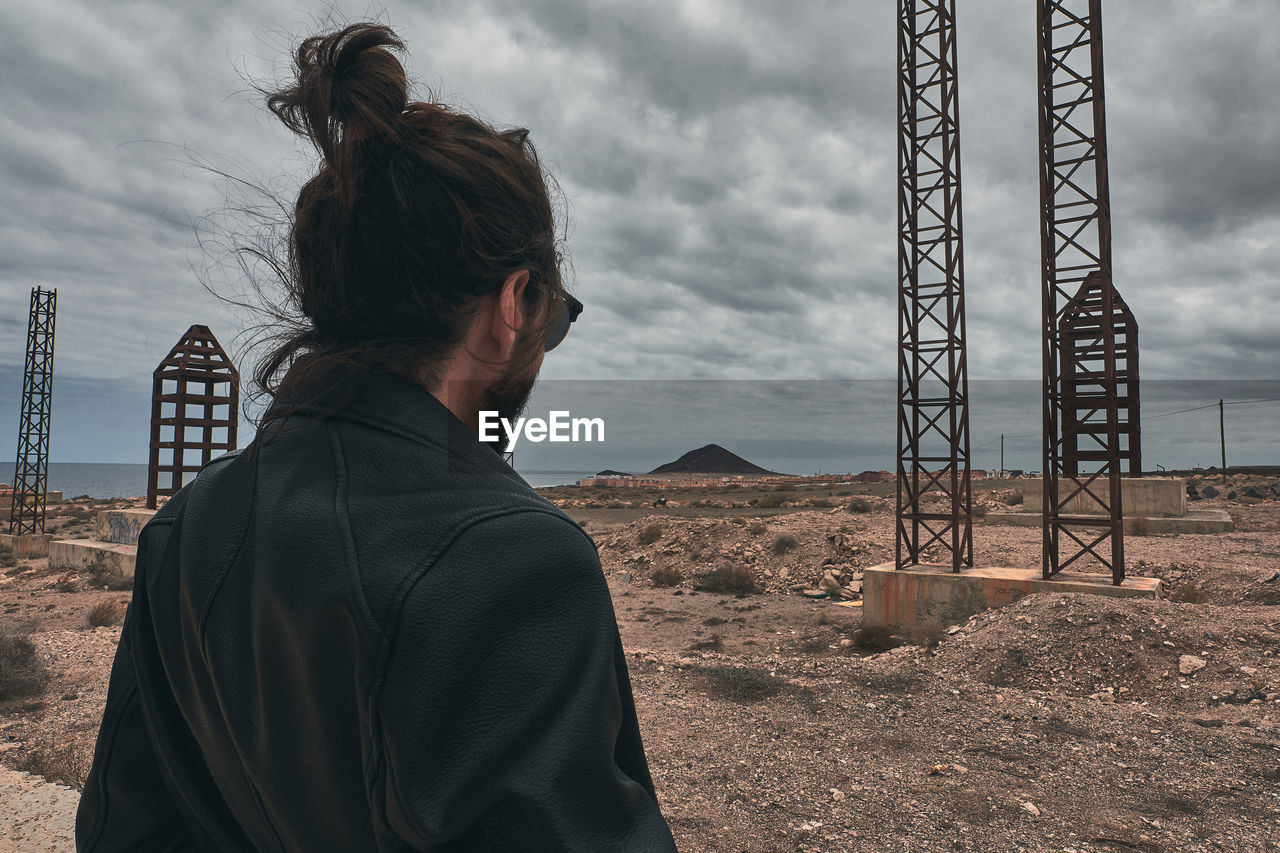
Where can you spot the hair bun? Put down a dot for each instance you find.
(348, 86)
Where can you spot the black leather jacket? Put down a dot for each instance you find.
(366, 632)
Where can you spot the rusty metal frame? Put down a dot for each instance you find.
(203, 377)
(31, 471)
(1080, 339)
(1079, 302)
(933, 391)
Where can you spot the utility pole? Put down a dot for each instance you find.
(1222, 436)
(1001, 456)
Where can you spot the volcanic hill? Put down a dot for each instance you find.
(711, 459)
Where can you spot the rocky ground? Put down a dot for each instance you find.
(774, 722)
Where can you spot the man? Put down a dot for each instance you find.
(365, 631)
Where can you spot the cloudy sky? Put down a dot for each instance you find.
(728, 166)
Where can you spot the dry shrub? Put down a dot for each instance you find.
(813, 645)
(649, 534)
(979, 511)
(666, 576)
(109, 611)
(783, 543)
(1014, 499)
(738, 684)
(738, 520)
(1189, 593)
(859, 506)
(756, 528)
(105, 573)
(874, 638)
(928, 635)
(823, 618)
(729, 579)
(66, 764)
(772, 501)
(20, 671)
(8, 559)
(714, 643)
(66, 583)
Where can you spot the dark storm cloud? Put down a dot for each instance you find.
(729, 170)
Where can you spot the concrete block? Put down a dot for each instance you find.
(27, 545)
(121, 526)
(1148, 497)
(1195, 521)
(82, 554)
(49, 497)
(932, 596)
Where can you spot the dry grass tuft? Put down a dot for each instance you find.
(859, 506)
(109, 611)
(783, 543)
(875, 638)
(729, 579)
(20, 671)
(649, 534)
(739, 685)
(8, 559)
(666, 576)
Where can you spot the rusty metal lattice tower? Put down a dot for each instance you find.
(1080, 339)
(1083, 516)
(31, 473)
(191, 385)
(933, 392)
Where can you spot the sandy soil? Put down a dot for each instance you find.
(772, 722)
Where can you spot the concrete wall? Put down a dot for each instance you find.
(27, 545)
(923, 597)
(1149, 497)
(121, 526)
(105, 557)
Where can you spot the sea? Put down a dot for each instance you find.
(123, 480)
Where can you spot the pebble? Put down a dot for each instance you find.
(1189, 664)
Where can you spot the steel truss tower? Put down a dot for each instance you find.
(194, 381)
(933, 390)
(1090, 397)
(31, 473)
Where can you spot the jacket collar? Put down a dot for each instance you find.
(379, 399)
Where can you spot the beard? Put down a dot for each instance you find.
(508, 397)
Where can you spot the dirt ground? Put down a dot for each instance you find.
(774, 723)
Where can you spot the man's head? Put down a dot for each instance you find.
(426, 243)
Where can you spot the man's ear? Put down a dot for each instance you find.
(510, 316)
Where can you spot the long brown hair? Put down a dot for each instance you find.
(416, 213)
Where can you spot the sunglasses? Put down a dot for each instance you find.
(569, 309)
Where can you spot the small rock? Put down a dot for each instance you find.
(1103, 696)
(1249, 670)
(1031, 808)
(625, 577)
(1210, 492)
(1188, 664)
